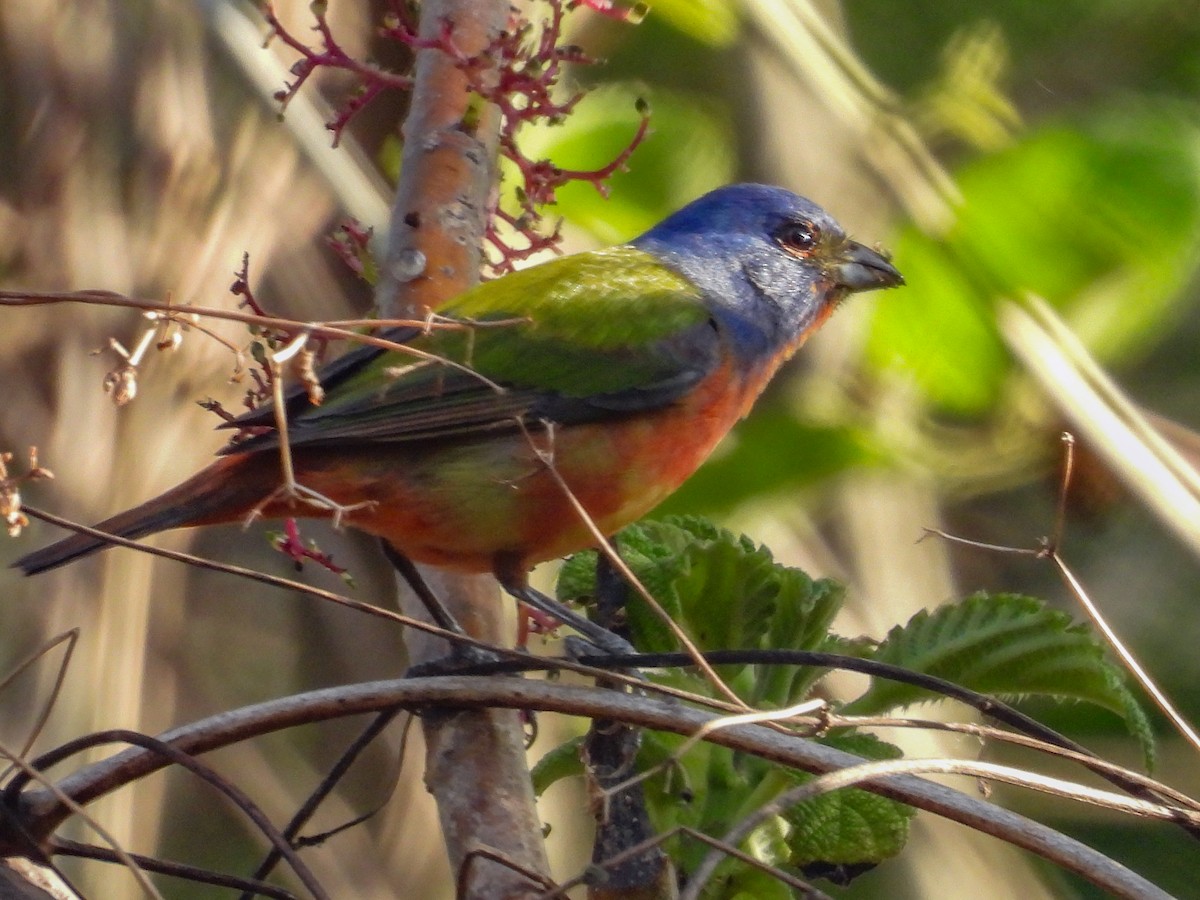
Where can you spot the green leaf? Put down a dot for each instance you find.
(577, 577)
(726, 593)
(1009, 646)
(713, 22)
(561, 762)
(942, 335)
(851, 826)
(737, 881)
(754, 884)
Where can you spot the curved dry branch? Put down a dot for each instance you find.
(40, 810)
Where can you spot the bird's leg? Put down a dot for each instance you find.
(596, 635)
(460, 654)
(532, 621)
(513, 579)
(409, 572)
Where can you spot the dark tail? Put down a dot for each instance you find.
(224, 492)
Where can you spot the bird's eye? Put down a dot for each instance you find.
(798, 237)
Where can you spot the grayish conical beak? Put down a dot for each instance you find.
(859, 268)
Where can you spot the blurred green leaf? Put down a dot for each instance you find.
(713, 22)
(1102, 219)
(688, 152)
(1117, 45)
(770, 453)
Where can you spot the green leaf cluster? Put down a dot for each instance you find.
(727, 592)
(685, 562)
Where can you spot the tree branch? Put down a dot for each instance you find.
(475, 761)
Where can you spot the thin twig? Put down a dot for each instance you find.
(181, 758)
(71, 638)
(328, 783)
(64, 847)
(1050, 550)
(1135, 668)
(524, 660)
(1064, 489)
(251, 574)
(32, 773)
(334, 330)
(462, 881)
(1137, 784)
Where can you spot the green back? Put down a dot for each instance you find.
(588, 336)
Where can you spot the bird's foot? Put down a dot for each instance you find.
(461, 659)
(584, 648)
(593, 640)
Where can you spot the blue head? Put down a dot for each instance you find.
(771, 264)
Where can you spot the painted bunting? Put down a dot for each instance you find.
(625, 365)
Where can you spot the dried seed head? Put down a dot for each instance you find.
(121, 384)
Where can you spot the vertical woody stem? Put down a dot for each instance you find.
(447, 168)
(475, 762)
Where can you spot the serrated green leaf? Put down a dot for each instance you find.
(725, 592)
(798, 625)
(716, 604)
(1006, 645)
(577, 578)
(556, 764)
(848, 827)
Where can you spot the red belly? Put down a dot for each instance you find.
(460, 506)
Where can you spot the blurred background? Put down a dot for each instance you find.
(1000, 150)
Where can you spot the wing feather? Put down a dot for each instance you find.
(635, 336)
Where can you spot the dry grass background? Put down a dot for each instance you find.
(135, 159)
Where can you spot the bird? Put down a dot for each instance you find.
(612, 372)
